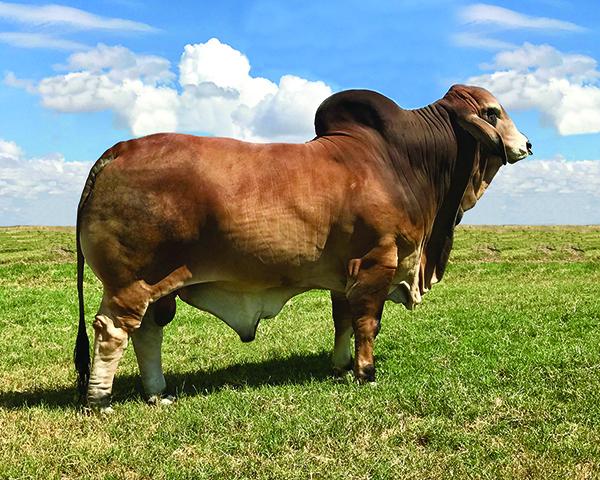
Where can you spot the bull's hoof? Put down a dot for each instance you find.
(99, 404)
(365, 374)
(97, 410)
(161, 400)
(341, 371)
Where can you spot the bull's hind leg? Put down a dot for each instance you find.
(110, 341)
(119, 315)
(342, 322)
(147, 342)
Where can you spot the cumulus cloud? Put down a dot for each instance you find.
(564, 87)
(10, 150)
(533, 192)
(38, 191)
(119, 63)
(215, 93)
(11, 80)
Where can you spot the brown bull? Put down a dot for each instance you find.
(365, 210)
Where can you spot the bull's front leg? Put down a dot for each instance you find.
(368, 285)
(342, 322)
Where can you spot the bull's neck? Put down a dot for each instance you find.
(428, 141)
(424, 154)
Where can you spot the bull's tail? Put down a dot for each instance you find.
(82, 344)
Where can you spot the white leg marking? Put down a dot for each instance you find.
(147, 342)
(342, 350)
(109, 345)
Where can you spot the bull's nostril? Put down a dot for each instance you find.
(528, 144)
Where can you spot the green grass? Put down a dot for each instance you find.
(496, 375)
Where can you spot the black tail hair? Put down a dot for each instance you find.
(82, 344)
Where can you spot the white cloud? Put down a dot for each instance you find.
(563, 87)
(217, 94)
(547, 62)
(277, 115)
(214, 62)
(39, 40)
(481, 19)
(482, 13)
(38, 191)
(10, 150)
(557, 176)
(11, 80)
(542, 192)
(113, 78)
(53, 15)
(119, 63)
(477, 40)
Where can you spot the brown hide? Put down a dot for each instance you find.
(398, 172)
(367, 210)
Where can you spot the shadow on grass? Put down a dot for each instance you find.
(293, 370)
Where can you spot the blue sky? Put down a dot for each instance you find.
(76, 77)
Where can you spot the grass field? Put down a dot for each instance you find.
(496, 375)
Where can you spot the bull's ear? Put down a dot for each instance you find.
(485, 133)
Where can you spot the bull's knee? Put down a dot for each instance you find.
(110, 337)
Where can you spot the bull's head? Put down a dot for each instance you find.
(480, 114)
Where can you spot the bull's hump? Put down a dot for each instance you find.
(355, 107)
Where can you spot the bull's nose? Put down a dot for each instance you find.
(528, 145)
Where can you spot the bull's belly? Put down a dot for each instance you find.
(241, 309)
(242, 290)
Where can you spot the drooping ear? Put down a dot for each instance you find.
(484, 132)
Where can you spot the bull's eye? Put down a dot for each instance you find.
(492, 115)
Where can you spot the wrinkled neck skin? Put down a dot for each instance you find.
(424, 156)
